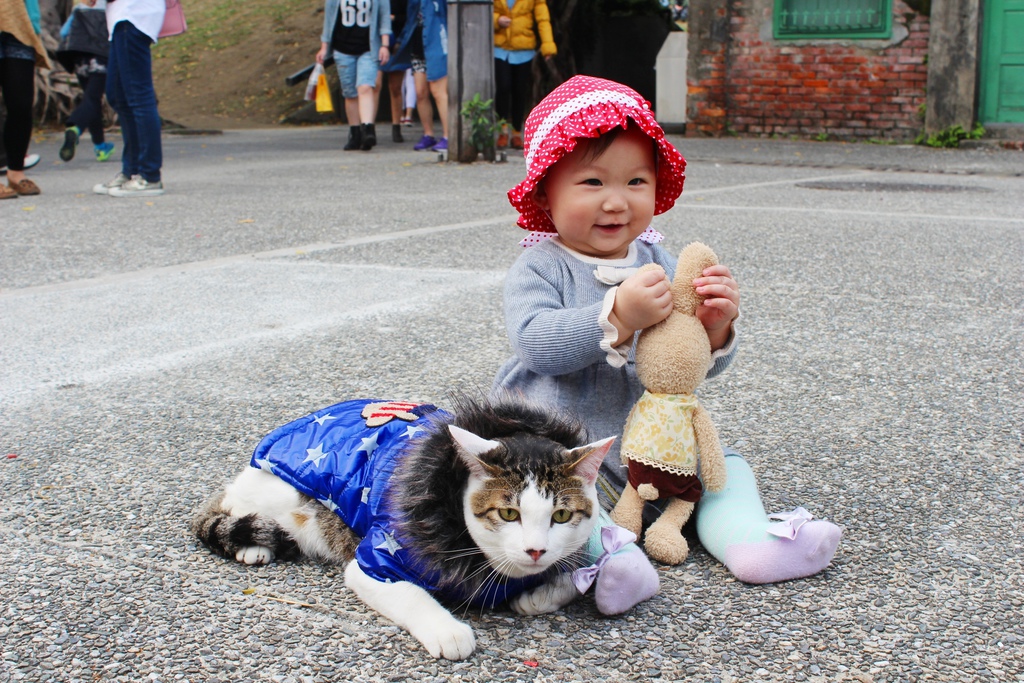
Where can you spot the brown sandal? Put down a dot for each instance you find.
(7, 193)
(25, 187)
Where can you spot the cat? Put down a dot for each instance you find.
(493, 503)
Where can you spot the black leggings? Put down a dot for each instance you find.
(512, 83)
(88, 115)
(18, 84)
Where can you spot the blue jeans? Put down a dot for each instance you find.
(130, 92)
(355, 70)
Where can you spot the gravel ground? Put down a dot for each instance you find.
(148, 345)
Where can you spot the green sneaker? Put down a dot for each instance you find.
(67, 150)
(104, 151)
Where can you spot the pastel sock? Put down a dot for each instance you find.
(627, 577)
(732, 525)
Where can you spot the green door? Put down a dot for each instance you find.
(1002, 62)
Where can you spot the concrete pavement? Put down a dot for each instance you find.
(147, 345)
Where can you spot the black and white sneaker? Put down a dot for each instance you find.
(105, 188)
(30, 161)
(138, 187)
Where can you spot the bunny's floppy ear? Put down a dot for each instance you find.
(692, 261)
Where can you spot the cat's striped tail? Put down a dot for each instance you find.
(226, 535)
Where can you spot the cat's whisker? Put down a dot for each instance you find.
(573, 561)
(485, 568)
(499, 575)
(501, 578)
(494, 580)
(461, 553)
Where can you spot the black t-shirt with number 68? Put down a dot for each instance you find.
(352, 30)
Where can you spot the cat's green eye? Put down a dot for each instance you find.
(561, 516)
(508, 514)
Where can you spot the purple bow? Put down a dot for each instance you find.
(613, 539)
(790, 523)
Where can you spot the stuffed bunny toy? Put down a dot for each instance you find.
(669, 436)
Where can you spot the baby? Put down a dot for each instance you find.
(598, 169)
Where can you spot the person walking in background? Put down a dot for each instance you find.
(426, 36)
(408, 96)
(393, 71)
(20, 51)
(411, 40)
(83, 51)
(133, 27)
(359, 34)
(517, 24)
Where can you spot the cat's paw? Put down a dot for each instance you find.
(452, 639)
(255, 554)
(548, 597)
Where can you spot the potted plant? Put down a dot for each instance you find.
(483, 128)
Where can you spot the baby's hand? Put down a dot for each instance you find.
(643, 299)
(722, 304)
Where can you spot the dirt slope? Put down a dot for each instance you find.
(228, 69)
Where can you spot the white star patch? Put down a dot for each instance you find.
(412, 431)
(366, 495)
(369, 444)
(324, 418)
(265, 465)
(315, 455)
(329, 504)
(389, 544)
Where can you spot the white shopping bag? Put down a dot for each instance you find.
(311, 83)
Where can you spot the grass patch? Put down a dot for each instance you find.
(951, 137)
(215, 25)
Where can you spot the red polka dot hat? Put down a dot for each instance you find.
(587, 107)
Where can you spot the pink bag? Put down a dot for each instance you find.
(174, 20)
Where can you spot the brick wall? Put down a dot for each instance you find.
(741, 80)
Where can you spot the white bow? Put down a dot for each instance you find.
(790, 523)
(610, 275)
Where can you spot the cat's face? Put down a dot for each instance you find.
(529, 503)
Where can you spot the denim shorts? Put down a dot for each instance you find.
(12, 48)
(356, 70)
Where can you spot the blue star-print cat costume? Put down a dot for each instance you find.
(344, 456)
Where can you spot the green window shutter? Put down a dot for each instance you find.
(801, 19)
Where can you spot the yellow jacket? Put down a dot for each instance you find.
(520, 34)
